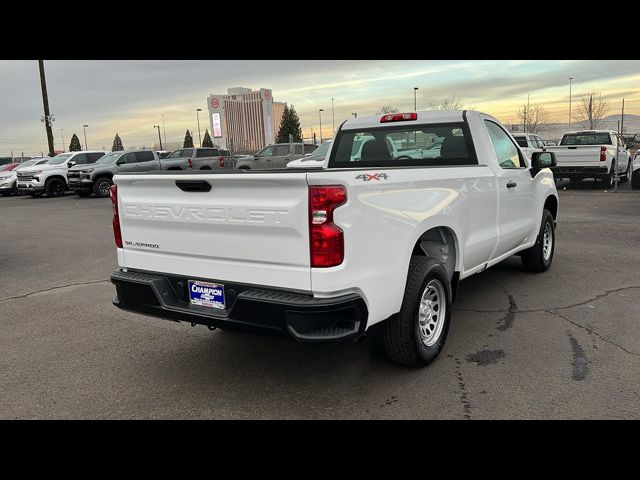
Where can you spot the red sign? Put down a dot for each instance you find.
(215, 103)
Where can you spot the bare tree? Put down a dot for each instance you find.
(591, 110)
(387, 109)
(449, 103)
(534, 118)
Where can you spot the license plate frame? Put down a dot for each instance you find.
(207, 294)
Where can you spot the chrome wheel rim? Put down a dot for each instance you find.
(431, 312)
(547, 241)
(104, 188)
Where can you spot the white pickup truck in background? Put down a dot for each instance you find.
(597, 154)
(378, 240)
(529, 143)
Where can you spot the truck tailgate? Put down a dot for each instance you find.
(248, 228)
(577, 156)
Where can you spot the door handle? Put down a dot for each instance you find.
(511, 184)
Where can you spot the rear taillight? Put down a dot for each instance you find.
(190, 163)
(326, 240)
(398, 117)
(117, 235)
(603, 154)
(221, 162)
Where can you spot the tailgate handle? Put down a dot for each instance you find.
(193, 185)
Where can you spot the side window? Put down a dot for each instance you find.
(225, 153)
(297, 149)
(176, 154)
(506, 151)
(266, 152)
(281, 150)
(93, 157)
(309, 148)
(205, 152)
(129, 158)
(80, 159)
(145, 156)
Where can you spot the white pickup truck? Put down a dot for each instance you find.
(326, 254)
(597, 154)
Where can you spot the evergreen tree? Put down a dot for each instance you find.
(75, 146)
(117, 144)
(206, 142)
(290, 125)
(188, 141)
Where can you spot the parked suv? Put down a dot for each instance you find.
(8, 178)
(96, 178)
(51, 177)
(275, 156)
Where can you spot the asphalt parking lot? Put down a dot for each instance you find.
(563, 344)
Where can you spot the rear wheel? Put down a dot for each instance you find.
(627, 174)
(416, 335)
(539, 257)
(608, 179)
(101, 187)
(205, 168)
(55, 187)
(635, 180)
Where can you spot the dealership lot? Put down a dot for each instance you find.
(563, 344)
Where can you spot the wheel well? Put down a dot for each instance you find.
(551, 204)
(205, 168)
(103, 175)
(438, 243)
(55, 177)
(244, 167)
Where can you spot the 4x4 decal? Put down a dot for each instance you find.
(366, 177)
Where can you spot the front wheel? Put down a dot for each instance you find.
(539, 257)
(101, 187)
(416, 335)
(55, 188)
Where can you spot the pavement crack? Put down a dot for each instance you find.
(25, 295)
(534, 310)
(592, 332)
(466, 405)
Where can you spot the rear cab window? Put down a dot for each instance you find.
(432, 144)
(586, 138)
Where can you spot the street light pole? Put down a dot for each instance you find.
(159, 139)
(333, 119)
(570, 79)
(62, 135)
(164, 131)
(355, 115)
(198, 116)
(415, 99)
(84, 127)
(320, 114)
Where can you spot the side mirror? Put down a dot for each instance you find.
(540, 160)
(307, 154)
(71, 163)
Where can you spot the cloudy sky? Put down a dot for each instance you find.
(129, 97)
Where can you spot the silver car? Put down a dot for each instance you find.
(275, 156)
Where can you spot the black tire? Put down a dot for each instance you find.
(608, 179)
(83, 193)
(533, 259)
(635, 180)
(627, 174)
(14, 189)
(5, 194)
(55, 187)
(205, 168)
(401, 334)
(101, 187)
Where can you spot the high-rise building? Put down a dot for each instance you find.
(244, 120)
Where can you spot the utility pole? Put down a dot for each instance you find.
(570, 79)
(622, 119)
(415, 99)
(164, 131)
(47, 115)
(333, 119)
(159, 139)
(84, 128)
(198, 110)
(591, 112)
(320, 114)
(62, 135)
